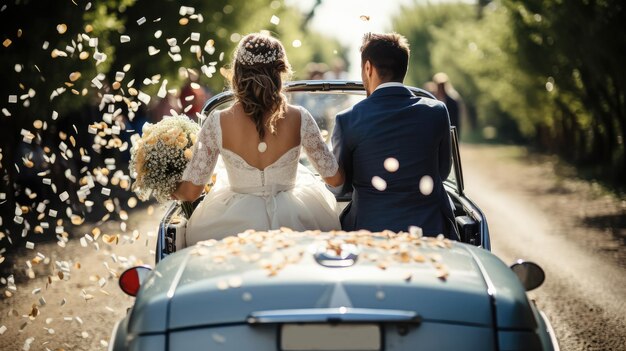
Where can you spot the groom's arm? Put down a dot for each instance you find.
(343, 154)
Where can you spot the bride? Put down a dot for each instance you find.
(260, 138)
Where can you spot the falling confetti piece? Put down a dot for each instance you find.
(96, 83)
(391, 164)
(222, 285)
(141, 21)
(153, 51)
(380, 295)
(64, 196)
(7, 42)
(61, 28)
(275, 20)
(235, 282)
(379, 183)
(364, 18)
(218, 338)
(426, 185)
(124, 39)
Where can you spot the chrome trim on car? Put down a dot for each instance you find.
(553, 340)
(333, 315)
(491, 292)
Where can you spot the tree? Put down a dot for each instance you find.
(576, 47)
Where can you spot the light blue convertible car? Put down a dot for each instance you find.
(294, 291)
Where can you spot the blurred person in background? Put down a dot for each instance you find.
(446, 93)
(192, 95)
(338, 70)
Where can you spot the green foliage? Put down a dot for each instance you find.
(550, 72)
(418, 23)
(577, 47)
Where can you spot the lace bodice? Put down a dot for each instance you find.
(241, 174)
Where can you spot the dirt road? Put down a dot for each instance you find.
(571, 228)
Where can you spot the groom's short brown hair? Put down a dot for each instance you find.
(389, 53)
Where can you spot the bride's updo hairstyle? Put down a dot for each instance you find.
(258, 70)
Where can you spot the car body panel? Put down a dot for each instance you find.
(198, 299)
(202, 295)
(513, 308)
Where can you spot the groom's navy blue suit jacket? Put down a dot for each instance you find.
(393, 123)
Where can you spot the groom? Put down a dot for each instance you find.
(394, 148)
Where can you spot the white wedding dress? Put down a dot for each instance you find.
(284, 194)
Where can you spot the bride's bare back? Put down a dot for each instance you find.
(240, 136)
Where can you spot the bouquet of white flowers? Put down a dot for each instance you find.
(160, 155)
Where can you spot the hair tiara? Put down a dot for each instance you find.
(246, 56)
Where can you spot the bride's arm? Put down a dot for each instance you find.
(316, 149)
(202, 163)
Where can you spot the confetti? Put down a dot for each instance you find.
(64, 196)
(379, 183)
(3, 329)
(235, 282)
(61, 28)
(222, 285)
(426, 185)
(195, 36)
(7, 42)
(391, 164)
(6, 112)
(96, 83)
(380, 295)
(275, 20)
(296, 43)
(218, 338)
(143, 97)
(30, 245)
(124, 39)
(12, 99)
(364, 18)
(141, 21)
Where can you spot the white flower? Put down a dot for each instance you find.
(157, 163)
